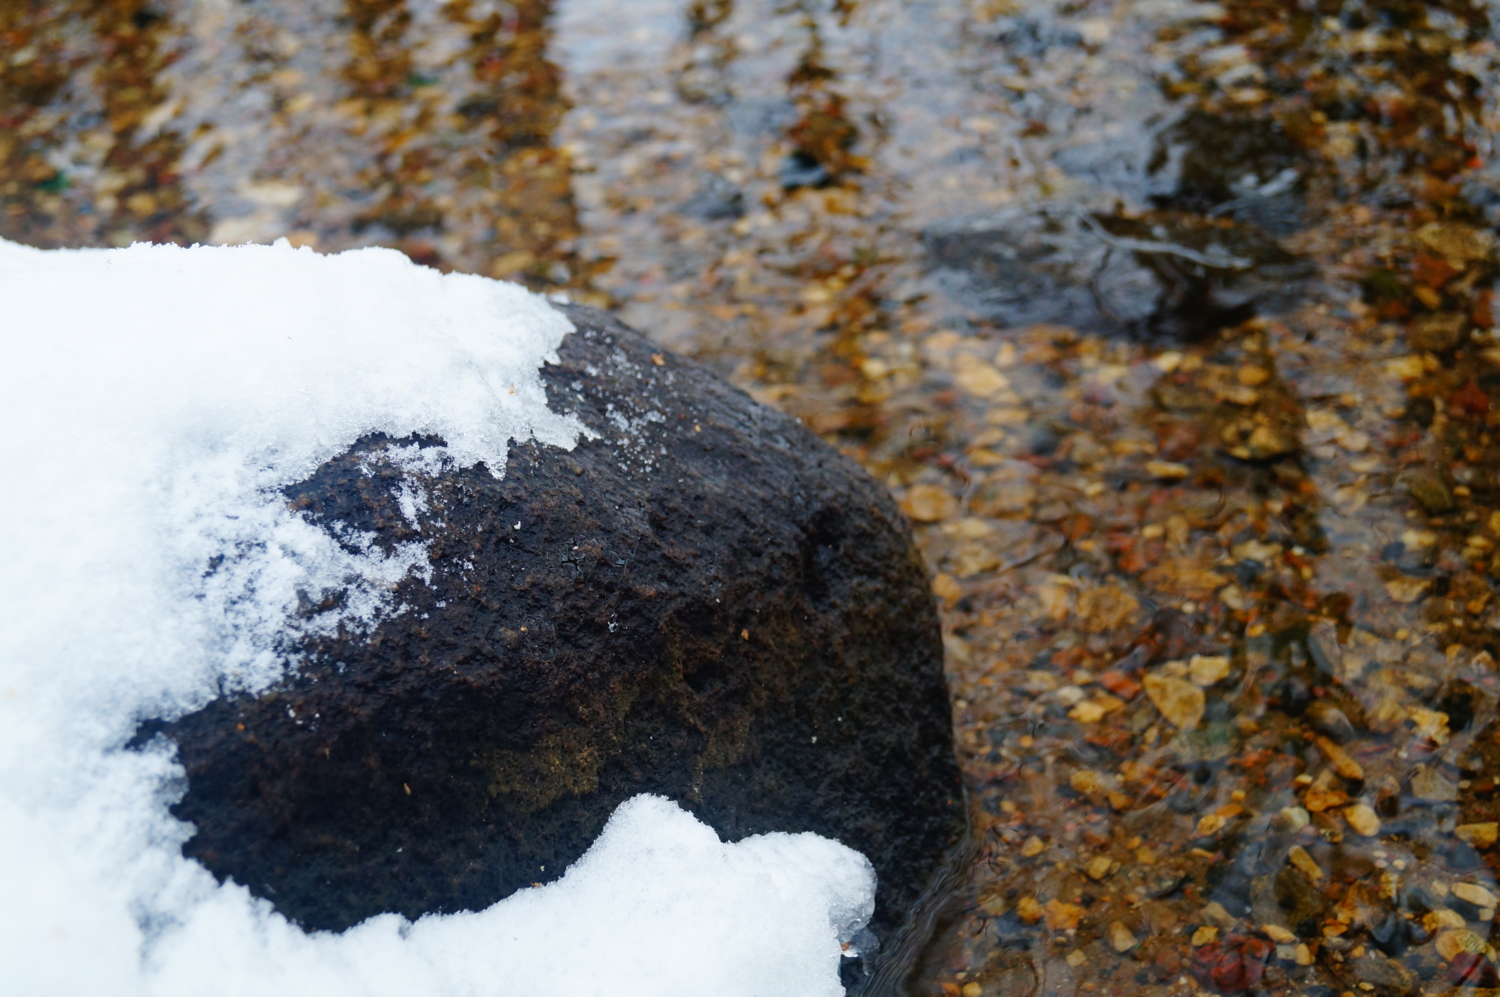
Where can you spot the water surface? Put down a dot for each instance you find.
(1170, 324)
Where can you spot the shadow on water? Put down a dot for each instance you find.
(1159, 274)
(1169, 324)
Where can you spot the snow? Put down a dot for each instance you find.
(157, 400)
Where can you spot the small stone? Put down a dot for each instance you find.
(1431, 785)
(1250, 440)
(1443, 919)
(1213, 912)
(972, 989)
(1354, 441)
(1342, 762)
(1452, 943)
(958, 651)
(1232, 965)
(1292, 819)
(1121, 938)
(1406, 589)
(1278, 934)
(929, 503)
(1100, 867)
(1436, 333)
(1304, 863)
(1363, 820)
(1324, 793)
(1256, 550)
(1234, 597)
(1475, 894)
(1204, 935)
(1458, 244)
(1481, 835)
(1167, 470)
(1088, 712)
(1427, 486)
(1252, 376)
(1431, 724)
(1180, 702)
(1205, 670)
(1061, 916)
(1302, 955)
(1076, 958)
(142, 204)
(1120, 684)
(1210, 824)
(1107, 607)
(946, 588)
(981, 379)
(1028, 910)
(1187, 576)
(1032, 847)
(1087, 782)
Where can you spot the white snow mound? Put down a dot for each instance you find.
(157, 400)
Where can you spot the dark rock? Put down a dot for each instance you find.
(704, 602)
(1303, 903)
(800, 169)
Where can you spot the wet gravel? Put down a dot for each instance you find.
(1170, 325)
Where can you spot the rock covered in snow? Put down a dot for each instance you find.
(252, 493)
(700, 600)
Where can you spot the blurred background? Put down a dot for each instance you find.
(1169, 324)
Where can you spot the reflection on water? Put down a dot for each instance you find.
(423, 126)
(1169, 323)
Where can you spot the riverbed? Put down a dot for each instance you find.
(1169, 324)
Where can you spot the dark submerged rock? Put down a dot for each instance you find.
(704, 602)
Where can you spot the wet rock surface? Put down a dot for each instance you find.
(703, 601)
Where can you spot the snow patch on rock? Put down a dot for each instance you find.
(158, 402)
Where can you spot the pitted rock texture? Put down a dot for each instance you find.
(703, 601)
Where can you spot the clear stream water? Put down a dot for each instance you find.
(1170, 324)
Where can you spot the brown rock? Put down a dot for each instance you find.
(1436, 333)
(1061, 916)
(1342, 762)
(1363, 820)
(1121, 938)
(1481, 835)
(929, 503)
(1429, 488)
(1180, 702)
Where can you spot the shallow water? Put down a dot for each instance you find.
(1169, 323)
